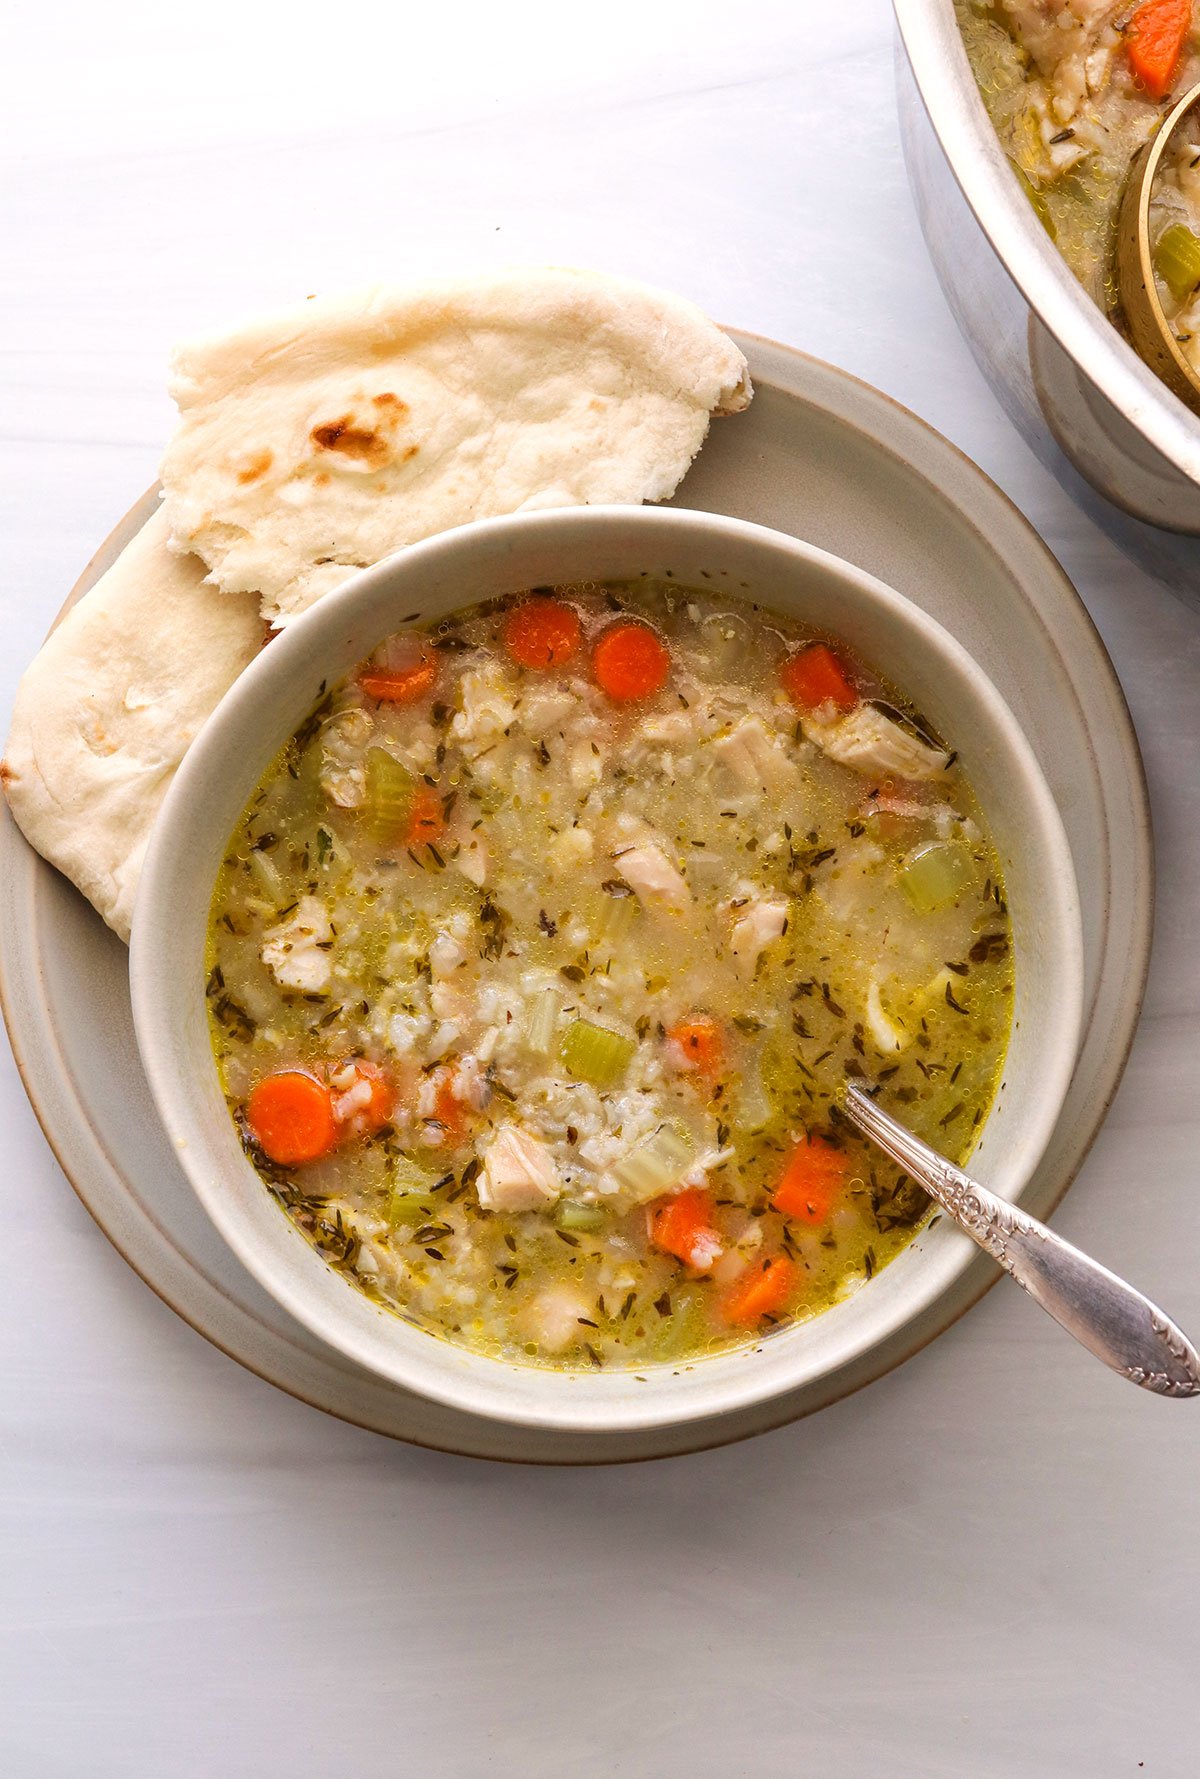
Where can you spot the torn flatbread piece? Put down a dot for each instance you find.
(318, 441)
(109, 707)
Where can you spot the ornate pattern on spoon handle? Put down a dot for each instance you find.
(1110, 1318)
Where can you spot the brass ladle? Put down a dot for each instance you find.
(1153, 334)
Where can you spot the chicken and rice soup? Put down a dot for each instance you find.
(1074, 89)
(540, 953)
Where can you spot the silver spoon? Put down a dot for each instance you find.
(1105, 1314)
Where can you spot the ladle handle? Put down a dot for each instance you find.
(1106, 1315)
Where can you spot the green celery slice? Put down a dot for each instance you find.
(541, 1020)
(593, 1053)
(410, 1193)
(388, 803)
(1177, 260)
(618, 917)
(582, 1219)
(935, 875)
(657, 1163)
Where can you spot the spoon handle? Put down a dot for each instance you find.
(1106, 1315)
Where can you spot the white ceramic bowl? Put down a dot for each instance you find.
(500, 556)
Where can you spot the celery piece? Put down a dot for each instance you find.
(934, 875)
(541, 1020)
(755, 1108)
(593, 1053)
(582, 1219)
(410, 1193)
(1177, 260)
(388, 803)
(657, 1163)
(265, 873)
(618, 917)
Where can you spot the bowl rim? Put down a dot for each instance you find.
(929, 33)
(155, 940)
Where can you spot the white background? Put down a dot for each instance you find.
(984, 1566)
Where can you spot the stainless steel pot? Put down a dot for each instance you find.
(1067, 378)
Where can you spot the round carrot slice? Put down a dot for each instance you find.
(542, 632)
(630, 662)
(291, 1117)
(404, 685)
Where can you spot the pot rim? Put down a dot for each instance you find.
(929, 33)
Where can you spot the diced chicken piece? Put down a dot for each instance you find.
(518, 1173)
(1098, 65)
(545, 710)
(555, 1317)
(889, 1038)
(297, 950)
(755, 757)
(868, 741)
(672, 728)
(757, 925)
(652, 877)
(487, 709)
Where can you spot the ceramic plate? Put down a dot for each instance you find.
(830, 460)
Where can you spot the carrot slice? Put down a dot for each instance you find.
(399, 685)
(291, 1117)
(683, 1226)
(1154, 37)
(814, 676)
(542, 632)
(427, 822)
(630, 662)
(377, 1111)
(811, 1181)
(762, 1290)
(701, 1043)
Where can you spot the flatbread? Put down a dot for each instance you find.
(315, 442)
(110, 706)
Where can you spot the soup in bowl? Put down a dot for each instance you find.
(523, 911)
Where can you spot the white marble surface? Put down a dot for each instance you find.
(984, 1566)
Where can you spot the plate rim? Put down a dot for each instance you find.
(978, 1278)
